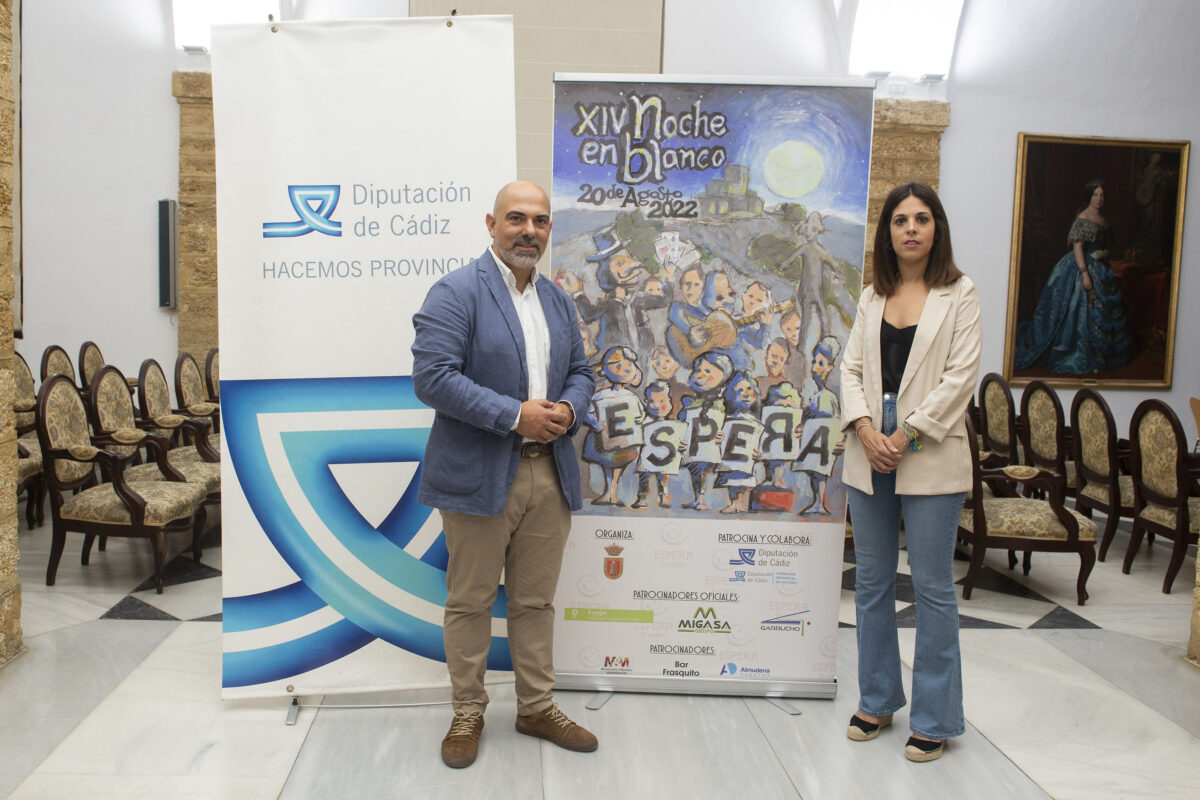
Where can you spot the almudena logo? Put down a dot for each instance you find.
(357, 579)
(314, 205)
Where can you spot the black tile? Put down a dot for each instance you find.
(132, 608)
(965, 621)
(848, 556)
(210, 618)
(995, 581)
(907, 618)
(181, 569)
(848, 579)
(1062, 618)
(845, 624)
(904, 587)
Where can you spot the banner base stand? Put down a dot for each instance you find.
(293, 710)
(770, 690)
(599, 699)
(784, 705)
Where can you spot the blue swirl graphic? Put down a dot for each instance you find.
(309, 219)
(310, 456)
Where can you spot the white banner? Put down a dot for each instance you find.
(355, 164)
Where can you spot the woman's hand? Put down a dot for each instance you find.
(883, 453)
(1086, 282)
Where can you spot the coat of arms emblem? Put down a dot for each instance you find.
(614, 565)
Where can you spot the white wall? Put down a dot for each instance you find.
(101, 138)
(101, 147)
(1124, 68)
(753, 37)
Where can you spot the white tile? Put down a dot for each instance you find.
(396, 752)
(822, 762)
(165, 727)
(1068, 728)
(59, 680)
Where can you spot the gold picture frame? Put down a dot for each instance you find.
(1100, 313)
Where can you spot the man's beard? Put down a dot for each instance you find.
(520, 259)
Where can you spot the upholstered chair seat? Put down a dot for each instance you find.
(1099, 492)
(1003, 520)
(1168, 517)
(1025, 518)
(165, 502)
(205, 473)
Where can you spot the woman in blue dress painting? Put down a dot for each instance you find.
(1079, 323)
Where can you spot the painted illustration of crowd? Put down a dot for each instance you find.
(693, 381)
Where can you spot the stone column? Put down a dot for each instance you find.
(906, 146)
(10, 584)
(197, 215)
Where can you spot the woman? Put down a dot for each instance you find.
(908, 372)
(1079, 323)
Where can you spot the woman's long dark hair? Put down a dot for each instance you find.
(940, 271)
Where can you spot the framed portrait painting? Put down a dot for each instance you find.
(1094, 275)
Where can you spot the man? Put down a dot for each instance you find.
(498, 356)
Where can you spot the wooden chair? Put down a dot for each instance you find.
(139, 509)
(154, 398)
(30, 481)
(1102, 485)
(55, 361)
(1044, 436)
(191, 393)
(29, 452)
(212, 375)
(115, 428)
(1160, 485)
(999, 419)
(90, 360)
(24, 396)
(1023, 523)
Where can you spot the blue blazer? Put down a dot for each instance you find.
(469, 365)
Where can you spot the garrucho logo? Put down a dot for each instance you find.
(704, 621)
(314, 205)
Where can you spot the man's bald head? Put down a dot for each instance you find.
(520, 224)
(518, 190)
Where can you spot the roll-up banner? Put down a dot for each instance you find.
(355, 164)
(712, 235)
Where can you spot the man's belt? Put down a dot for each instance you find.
(536, 449)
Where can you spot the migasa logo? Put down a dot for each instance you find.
(314, 205)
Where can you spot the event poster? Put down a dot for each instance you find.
(712, 236)
(338, 206)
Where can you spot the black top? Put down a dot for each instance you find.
(894, 346)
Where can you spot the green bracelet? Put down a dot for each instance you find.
(914, 438)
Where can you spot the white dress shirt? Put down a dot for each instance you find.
(533, 326)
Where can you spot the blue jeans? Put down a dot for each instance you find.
(931, 522)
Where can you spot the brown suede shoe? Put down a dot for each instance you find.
(462, 740)
(554, 726)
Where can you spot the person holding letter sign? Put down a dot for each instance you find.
(498, 355)
(908, 373)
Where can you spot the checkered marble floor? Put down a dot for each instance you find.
(118, 695)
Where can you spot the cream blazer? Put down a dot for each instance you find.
(938, 382)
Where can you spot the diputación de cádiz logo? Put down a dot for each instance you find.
(314, 205)
(358, 580)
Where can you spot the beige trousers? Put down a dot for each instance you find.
(526, 540)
